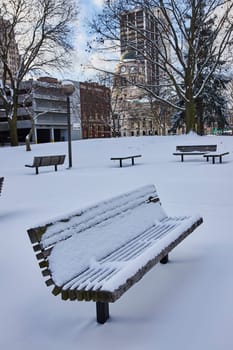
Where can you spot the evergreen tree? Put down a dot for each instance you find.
(214, 101)
(210, 103)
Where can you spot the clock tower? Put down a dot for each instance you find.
(132, 107)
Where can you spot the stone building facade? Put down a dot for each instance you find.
(43, 103)
(135, 111)
(42, 106)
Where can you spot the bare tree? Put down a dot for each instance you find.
(113, 101)
(177, 44)
(40, 33)
(161, 115)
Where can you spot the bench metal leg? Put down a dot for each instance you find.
(182, 158)
(37, 170)
(220, 159)
(132, 161)
(213, 160)
(102, 312)
(120, 163)
(164, 260)
(55, 167)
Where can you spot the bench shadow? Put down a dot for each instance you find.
(154, 300)
(125, 166)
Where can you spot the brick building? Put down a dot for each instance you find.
(95, 104)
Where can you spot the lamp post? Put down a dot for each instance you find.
(68, 89)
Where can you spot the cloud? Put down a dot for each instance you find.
(83, 59)
(98, 3)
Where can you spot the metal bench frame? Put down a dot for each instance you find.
(216, 155)
(126, 157)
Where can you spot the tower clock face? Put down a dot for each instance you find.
(123, 69)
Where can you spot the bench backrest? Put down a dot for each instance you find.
(1, 183)
(198, 148)
(51, 233)
(48, 160)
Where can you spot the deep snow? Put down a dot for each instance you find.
(186, 304)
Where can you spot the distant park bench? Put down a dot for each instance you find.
(54, 160)
(1, 184)
(215, 155)
(126, 157)
(99, 252)
(194, 150)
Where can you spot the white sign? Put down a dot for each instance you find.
(76, 126)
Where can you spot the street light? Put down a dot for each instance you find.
(68, 89)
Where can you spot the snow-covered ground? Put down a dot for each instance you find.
(186, 304)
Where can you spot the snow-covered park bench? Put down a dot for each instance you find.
(99, 252)
(215, 155)
(1, 184)
(54, 160)
(193, 150)
(126, 157)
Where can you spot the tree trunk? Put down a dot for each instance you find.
(29, 135)
(190, 110)
(28, 140)
(12, 122)
(200, 120)
(190, 116)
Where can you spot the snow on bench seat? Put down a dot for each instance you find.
(99, 252)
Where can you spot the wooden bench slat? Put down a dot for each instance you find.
(94, 215)
(49, 282)
(193, 148)
(130, 250)
(43, 264)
